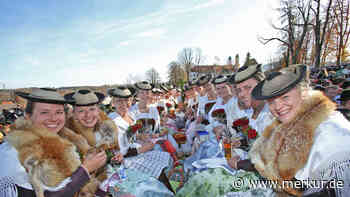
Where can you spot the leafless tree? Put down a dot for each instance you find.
(295, 21)
(133, 78)
(341, 18)
(188, 57)
(320, 28)
(176, 73)
(153, 76)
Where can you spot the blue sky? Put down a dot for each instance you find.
(96, 42)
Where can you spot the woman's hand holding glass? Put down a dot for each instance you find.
(234, 160)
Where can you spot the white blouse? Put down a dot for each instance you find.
(122, 128)
(152, 114)
(331, 144)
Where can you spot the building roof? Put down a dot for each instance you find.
(211, 68)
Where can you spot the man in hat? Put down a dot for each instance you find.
(332, 92)
(345, 99)
(259, 115)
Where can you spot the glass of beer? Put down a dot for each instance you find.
(227, 147)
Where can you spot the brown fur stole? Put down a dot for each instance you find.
(105, 126)
(47, 157)
(283, 149)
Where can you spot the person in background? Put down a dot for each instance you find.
(141, 158)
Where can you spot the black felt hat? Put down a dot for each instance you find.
(246, 72)
(120, 92)
(85, 97)
(219, 79)
(278, 83)
(345, 95)
(144, 85)
(204, 80)
(45, 95)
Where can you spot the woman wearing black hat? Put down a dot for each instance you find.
(307, 141)
(145, 110)
(245, 80)
(139, 157)
(41, 154)
(91, 122)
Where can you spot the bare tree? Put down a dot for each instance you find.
(133, 78)
(341, 16)
(188, 57)
(153, 76)
(176, 73)
(295, 20)
(320, 28)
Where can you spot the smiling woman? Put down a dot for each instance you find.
(41, 142)
(307, 141)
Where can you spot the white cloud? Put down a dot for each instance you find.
(209, 4)
(124, 43)
(152, 33)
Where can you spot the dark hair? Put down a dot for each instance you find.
(29, 107)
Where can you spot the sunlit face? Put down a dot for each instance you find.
(87, 115)
(198, 89)
(286, 106)
(190, 93)
(121, 105)
(208, 87)
(244, 92)
(223, 90)
(50, 116)
(144, 95)
(233, 89)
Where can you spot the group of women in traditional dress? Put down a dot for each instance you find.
(246, 126)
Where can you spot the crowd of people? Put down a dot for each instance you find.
(290, 125)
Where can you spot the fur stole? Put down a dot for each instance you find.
(106, 128)
(283, 149)
(47, 157)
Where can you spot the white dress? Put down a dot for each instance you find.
(201, 103)
(122, 125)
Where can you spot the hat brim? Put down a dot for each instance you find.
(99, 96)
(201, 82)
(246, 73)
(133, 90)
(33, 98)
(257, 91)
(111, 93)
(144, 88)
(217, 81)
(163, 87)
